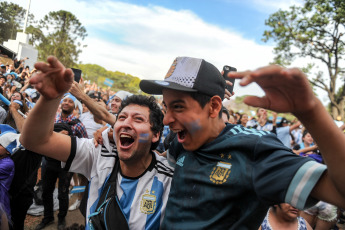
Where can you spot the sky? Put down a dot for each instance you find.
(143, 37)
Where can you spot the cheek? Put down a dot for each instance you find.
(193, 126)
(144, 138)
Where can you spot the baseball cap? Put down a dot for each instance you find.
(9, 139)
(188, 74)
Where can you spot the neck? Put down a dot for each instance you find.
(215, 129)
(279, 222)
(64, 115)
(137, 168)
(306, 144)
(262, 121)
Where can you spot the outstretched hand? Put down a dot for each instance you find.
(52, 79)
(286, 90)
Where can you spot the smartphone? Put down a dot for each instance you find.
(226, 70)
(77, 74)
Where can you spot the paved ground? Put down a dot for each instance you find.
(71, 218)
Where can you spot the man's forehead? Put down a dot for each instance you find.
(174, 96)
(135, 109)
(67, 99)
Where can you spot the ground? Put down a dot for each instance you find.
(72, 217)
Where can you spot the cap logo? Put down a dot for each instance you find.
(171, 70)
(162, 83)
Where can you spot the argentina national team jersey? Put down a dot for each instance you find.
(142, 199)
(230, 182)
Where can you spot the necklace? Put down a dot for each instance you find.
(268, 221)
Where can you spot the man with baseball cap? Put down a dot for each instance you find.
(226, 176)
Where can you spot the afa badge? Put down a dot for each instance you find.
(148, 204)
(220, 172)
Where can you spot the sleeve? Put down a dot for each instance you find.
(280, 176)
(82, 157)
(6, 168)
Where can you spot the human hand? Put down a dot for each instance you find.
(53, 79)
(77, 90)
(286, 90)
(97, 136)
(227, 93)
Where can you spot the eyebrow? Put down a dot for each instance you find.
(173, 102)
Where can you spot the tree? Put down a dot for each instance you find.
(11, 16)
(59, 33)
(315, 30)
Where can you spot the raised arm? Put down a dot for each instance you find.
(288, 90)
(96, 109)
(52, 81)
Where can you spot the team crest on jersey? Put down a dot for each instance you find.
(148, 203)
(220, 172)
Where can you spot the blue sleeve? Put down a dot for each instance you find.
(278, 175)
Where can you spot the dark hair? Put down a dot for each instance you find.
(156, 115)
(305, 132)
(226, 111)
(203, 99)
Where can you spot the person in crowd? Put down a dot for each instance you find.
(18, 99)
(8, 143)
(284, 131)
(115, 100)
(308, 148)
(284, 216)
(220, 162)
(263, 123)
(139, 180)
(321, 216)
(25, 176)
(225, 115)
(52, 169)
(97, 110)
(243, 119)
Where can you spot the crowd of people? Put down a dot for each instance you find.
(183, 162)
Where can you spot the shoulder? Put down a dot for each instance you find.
(162, 166)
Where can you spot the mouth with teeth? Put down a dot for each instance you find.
(181, 135)
(126, 140)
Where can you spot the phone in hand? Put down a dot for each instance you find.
(77, 74)
(226, 70)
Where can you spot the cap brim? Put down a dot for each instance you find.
(156, 87)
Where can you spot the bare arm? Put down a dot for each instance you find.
(18, 119)
(306, 150)
(284, 89)
(52, 82)
(96, 109)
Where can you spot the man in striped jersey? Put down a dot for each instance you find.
(226, 176)
(129, 184)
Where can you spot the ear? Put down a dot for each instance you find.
(155, 137)
(215, 106)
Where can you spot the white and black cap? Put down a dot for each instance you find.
(188, 75)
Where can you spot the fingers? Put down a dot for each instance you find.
(68, 75)
(260, 102)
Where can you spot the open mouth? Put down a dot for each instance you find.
(126, 140)
(181, 135)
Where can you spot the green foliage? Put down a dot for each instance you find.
(316, 31)
(98, 74)
(11, 15)
(58, 34)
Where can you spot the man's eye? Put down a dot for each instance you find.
(121, 117)
(178, 106)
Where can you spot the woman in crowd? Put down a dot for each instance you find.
(243, 119)
(17, 98)
(284, 216)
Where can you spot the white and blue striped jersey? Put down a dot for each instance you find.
(142, 199)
